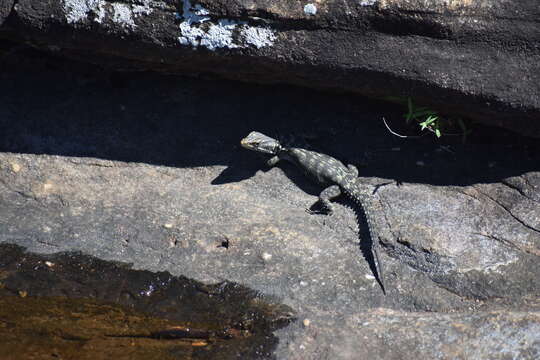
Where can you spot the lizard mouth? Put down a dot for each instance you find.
(259, 142)
(246, 143)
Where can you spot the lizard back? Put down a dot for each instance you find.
(325, 169)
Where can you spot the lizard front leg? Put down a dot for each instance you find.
(273, 161)
(325, 198)
(353, 170)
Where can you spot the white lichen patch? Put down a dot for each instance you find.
(310, 9)
(143, 9)
(79, 10)
(368, 2)
(199, 29)
(120, 13)
(258, 36)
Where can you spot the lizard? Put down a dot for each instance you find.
(326, 170)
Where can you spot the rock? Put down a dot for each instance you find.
(478, 60)
(387, 334)
(5, 9)
(147, 169)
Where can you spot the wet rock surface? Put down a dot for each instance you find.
(147, 169)
(71, 305)
(477, 59)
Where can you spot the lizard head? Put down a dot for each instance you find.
(259, 142)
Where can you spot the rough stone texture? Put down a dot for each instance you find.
(478, 59)
(5, 9)
(388, 334)
(148, 169)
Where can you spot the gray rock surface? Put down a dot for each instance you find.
(476, 59)
(5, 9)
(147, 169)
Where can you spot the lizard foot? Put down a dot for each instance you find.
(319, 211)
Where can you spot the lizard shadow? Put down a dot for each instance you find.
(236, 173)
(246, 168)
(367, 245)
(366, 242)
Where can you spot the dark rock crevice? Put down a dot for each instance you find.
(478, 61)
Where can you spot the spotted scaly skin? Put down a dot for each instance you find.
(327, 170)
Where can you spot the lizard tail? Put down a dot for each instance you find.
(363, 200)
(379, 266)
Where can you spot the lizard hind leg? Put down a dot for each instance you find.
(325, 198)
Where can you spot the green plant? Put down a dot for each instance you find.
(426, 118)
(430, 120)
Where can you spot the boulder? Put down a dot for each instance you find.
(474, 59)
(147, 169)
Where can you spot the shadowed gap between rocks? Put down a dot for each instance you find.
(58, 107)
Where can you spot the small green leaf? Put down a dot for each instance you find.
(428, 122)
(409, 116)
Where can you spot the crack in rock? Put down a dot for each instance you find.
(509, 212)
(507, 183)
